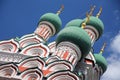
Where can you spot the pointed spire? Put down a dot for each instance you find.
(102, 49)
(87, 19)
(60, 10)
(91, 10)
(98, 14)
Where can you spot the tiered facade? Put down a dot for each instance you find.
(69, 57)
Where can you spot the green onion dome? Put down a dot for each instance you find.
(75, 22)
(77, 36)
(54, 19)
(96, 23)
(101, 61)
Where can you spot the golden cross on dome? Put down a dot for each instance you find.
(88, 16)
(102, 49)
(87, 19)
(91, 10)
(60, 10)
(98, 14)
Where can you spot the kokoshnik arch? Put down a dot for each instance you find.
(69, 57)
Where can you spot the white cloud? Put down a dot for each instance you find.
(115, 45)
(113, 71)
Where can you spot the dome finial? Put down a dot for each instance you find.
(98, 14)
(91, 10)
(103, 47)
(84, 23)
(60, 10)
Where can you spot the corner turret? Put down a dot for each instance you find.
(49, 25)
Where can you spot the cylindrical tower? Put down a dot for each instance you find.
(94, 28)
(72, 47)
(48, 26)
(101, 62)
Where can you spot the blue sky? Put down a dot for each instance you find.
(20, 17)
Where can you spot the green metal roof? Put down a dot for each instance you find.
(101, 61)
(75, 22)
(96, 23)
(53, 19)
(77, 36)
